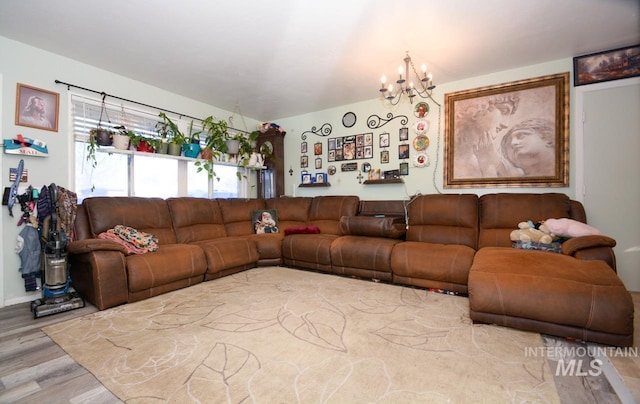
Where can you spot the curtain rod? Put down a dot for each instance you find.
(103, 94)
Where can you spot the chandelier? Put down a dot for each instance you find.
(423, 89)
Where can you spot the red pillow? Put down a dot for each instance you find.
(301, 230)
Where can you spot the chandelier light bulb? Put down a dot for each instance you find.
(407, 87)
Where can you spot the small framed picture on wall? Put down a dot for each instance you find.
(384, 156)
(384, 139)
(404, 168)
(37, 108)
(318, 163)
(403, 134)
(403, 151)
(304, 161)
(303, 147)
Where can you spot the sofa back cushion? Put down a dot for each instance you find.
(236, 214)
(150, 215)
(500, 214)
(292, 212)
(196, 219)
(326, 211)
(444, 219)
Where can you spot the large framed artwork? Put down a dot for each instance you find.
(605, 66)
(37, 108)
(508, 135)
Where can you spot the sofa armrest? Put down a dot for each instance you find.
(570, 246)
(94, 244)
(98, 272)
(596, 247)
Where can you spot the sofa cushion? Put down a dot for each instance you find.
(442, 266)
(386, 227)
(172, 262)
(236, 214)
(312, 251)
(363, 256)
(150, 215)
(444, 219)
(196, 219)
(291, 211)
(227, 253)
(550, 293)
(500, 213)
(326, 211)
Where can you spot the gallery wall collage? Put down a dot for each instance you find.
(370, 152)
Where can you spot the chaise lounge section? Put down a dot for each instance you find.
(456, 242)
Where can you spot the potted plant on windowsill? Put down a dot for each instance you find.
(122, 139)
(141, 143)
(191, 147)
(167, 129)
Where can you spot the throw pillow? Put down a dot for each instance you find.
(265, 221)
(301, 230)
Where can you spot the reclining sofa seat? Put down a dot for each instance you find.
(574, 294)
(313, 251)
(106, 276)
(441, 241)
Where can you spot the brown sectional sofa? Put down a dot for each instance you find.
(457, 242)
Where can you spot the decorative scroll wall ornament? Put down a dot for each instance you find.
(374, 121)
(324, 130)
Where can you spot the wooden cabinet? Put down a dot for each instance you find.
(271, 179)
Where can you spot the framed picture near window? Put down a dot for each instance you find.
(609, 65)
(37, 108)
(521, 138)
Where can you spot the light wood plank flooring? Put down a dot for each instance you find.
(35, 369)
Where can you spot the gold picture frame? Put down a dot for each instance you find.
(37, 108)
(513, 134)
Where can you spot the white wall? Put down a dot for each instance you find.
(419, 180)
(28, 65)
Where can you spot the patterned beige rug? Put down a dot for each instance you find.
(290, 336)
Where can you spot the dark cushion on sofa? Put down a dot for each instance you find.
(387, 227)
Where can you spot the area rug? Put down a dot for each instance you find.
(282, 335)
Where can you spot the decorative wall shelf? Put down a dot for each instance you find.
(385, 181)
(315, 184)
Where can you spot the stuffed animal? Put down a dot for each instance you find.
(570, 228)
(527, 232)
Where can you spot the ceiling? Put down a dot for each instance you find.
(280, 58)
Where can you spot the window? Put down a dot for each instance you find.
(127, 173)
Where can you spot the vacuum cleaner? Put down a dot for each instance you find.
(58, 294)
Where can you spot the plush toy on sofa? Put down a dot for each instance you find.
(527, 232)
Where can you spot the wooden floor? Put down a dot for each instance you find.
(33, 369)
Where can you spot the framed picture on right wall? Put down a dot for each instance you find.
(609, 65)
